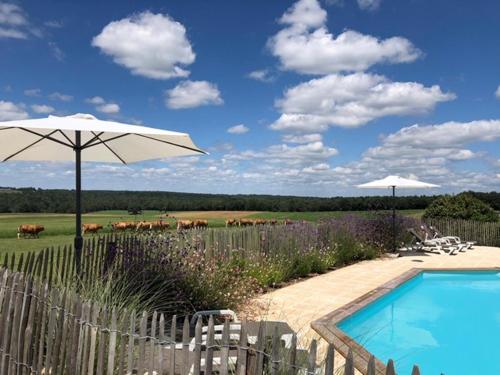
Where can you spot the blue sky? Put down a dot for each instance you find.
(308, 97)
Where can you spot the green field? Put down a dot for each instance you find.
(59, 228)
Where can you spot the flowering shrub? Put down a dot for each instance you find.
(222, 268)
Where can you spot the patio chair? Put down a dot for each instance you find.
(453, 239)
(433, 245)
(445, 242)
(284, 331)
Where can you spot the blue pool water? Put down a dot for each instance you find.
(446, 322)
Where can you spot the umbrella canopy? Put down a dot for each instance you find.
(54, 138)
(83, 137)
(397, 182)
(400, 183)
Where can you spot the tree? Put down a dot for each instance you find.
(462, 206)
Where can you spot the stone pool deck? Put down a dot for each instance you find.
(302, 303)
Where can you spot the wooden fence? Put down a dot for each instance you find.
(46, 330)
(486, 234)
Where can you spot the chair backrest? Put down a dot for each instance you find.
(416, 234)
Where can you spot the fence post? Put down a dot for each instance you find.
(330, 360)
(349, 364)
(390, 368)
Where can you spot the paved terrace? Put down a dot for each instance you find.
(301, 303)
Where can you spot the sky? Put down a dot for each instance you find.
(310, 97)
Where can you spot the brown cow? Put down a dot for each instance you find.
(29, 230)
(200, 223)
(143, 225)
(159, 225)
(184, 224)
(120, 226)
(273, 221)
(91, 228)
(245, 222)
(287, 222)
(260, 222)
(231, 222)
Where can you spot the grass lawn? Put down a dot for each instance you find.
(59, 228)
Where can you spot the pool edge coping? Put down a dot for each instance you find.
(326, 326)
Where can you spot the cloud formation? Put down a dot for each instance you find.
(262, 75)
(42, 108)
(369, 4)
(191, 94)
(238, 129)
(10, 111)
(306, 46)
(352, 100)
(150, 45)
(13, 22)
(103, 106)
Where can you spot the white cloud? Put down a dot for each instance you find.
(42, 108)
(302, 138)
(190, 94)
(263, 75)
(10, 111)
(102, 105)
(301, 155)
(306, 46)
(14, 23)
(369, 4)
(58, 53)
(497, 92)
(150, 45)
(54, 24)
(61, 97)
(352, 100)
(33, 92)
(238, 129)
(447, 134)
(109, 108)
(96, 100)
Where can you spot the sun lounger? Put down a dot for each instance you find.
(453, 239)
(433, 245)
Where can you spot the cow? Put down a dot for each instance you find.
(245, 222)
(287, 222)
(143, 225)
(273, 222)
(120, 226)
(31, 230)
(159, 225)
(184, 224)
(231, 222)
(91, 228)
(260, 222)
(200, 223)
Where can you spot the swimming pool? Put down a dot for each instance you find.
(446, 322)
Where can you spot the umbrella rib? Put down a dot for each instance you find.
(30, 145)
(65, 136)
(48, 136)
(171, 143)
(101, 141)
(109, 148)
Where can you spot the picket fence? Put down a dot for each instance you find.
(46, 330)
(486, 234)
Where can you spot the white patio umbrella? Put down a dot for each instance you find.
(83, 137)
(393, 182)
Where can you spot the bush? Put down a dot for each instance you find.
(462, 206)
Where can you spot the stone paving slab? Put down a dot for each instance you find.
(302, 303)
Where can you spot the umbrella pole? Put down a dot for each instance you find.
(78, 203)
(394, 218)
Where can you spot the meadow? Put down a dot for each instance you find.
(59, 228)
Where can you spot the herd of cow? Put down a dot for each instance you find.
(33, 230)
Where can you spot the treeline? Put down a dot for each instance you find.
(62, 201)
